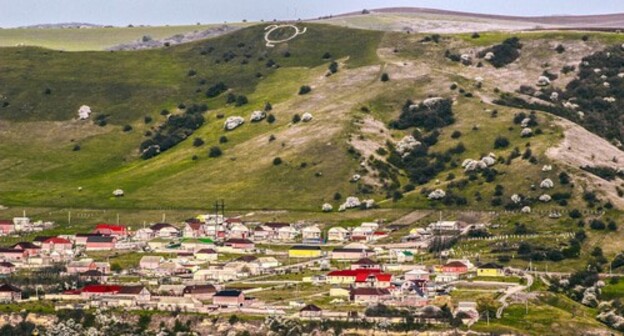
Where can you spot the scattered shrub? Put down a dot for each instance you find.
(385, 77)
(277, 161)
(214, 152)
(304, 89)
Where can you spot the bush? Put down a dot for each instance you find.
(475, 35)
(164, 112)
(597, 224)
(304, 89)
(560, 49)
(277, 161)
(296, 118)
(198, 142)
(456, 134)
(127, 128)
(216, 90)
(241, 100)
(223, 139)
(438, 114)
(76, 148)
(337, 196)
(501, 142)
(385, 77)
(214, 152)
(47, 91)
(268, 107)
(575, 214)
(504, 53)
(147, 119)
(270, 118)
(191, 73)
(333, 67)
(327, 55)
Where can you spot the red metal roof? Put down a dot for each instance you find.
(57, 240)
(101, 289)
(111, 227)
(354, 273)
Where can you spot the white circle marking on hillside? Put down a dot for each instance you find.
(272, 28)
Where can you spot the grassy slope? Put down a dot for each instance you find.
(90, 39)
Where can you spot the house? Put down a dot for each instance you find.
(80, 239)
(350, 253)
(38, 240)
(196, 244)
(370, 225)
(150, 262)
(171, 290)
(347, 277)
(176, 303)
(98, 290)
(311, 311)
(200, 292)
(7, 227)
(490, 270)
(239, 243)
(229, 298)
(369, 295)
(454, 267)
(207, 254)
(30, 248)
(444, 226)
(239, 231)
(339, 291)
(81, 266)
(217, 273)
(365, 263)
(9, 254)
(417, 275)
(274, 227)
(93, 276)
(101, 243)
(404, 256)
(111, 230)
(56, 244)
(10, 293)
(267, 262)
(193, 228)
(338, 233)
(362, 233)
(261, 232)
(137, 292)
(377, 280)
(6, 268)
(303, 251)
(165, 230)
(287, 233)
(169, 268)
(311, 234)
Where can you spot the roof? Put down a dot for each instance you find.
(370, 291)
(199, 289)
(41, 239)
(247, 258)
(311, 308)
(160, 226)
(338, 228)
(354, 250)
(365, 261)
(275, 225)
(25, 245)
(195, 226)
(151, 259)
(353, 273)
(6, 264)
(6, 222)
(306, 247)
(206, 251)
(228, 293)
(455, 264)
(101, 289)
(131, 289)
(88, 235)
(9, 288)
(491, 266)
(10, 250)
(238, 241)
(57, 240)
(111, 227)
(362, 277)
(100, 239)
(92, 273)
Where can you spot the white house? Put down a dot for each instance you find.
(444, 226)
(287, 233)
(371, 225)
(239, 231)
(311, 233)
(338, 233)
(362, 233)
(267, 262)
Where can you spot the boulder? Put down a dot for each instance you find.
(525, 122)
(489, 56)
(306, 117)
(545, 198)
(356, 177)
(350, 202)
(526, 132)
(406, 145)
(609, 99)
(547, 168)
(436, 194)
(118, 192)
(233, 122)
(479, 79)
(369, 203)
(83, 112)
(466, 59)
(554, 96)
(543, 81)
(430, 102)
(526, 209)
(516, 198)
(327, 207)
(606, 84)
(488, 160)
(547, 184)
(257, 116)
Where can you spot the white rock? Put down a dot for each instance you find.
(466, 163)
(516, 198)
(554, 96)
(543, 81)
(547, 168)
(488, 160)
(83, 112)
(492, 155)
(622, 46)
(547, 184)
(489, 56)
(406, 145)
(350, 202)
(603, 77)
(355, 177)
(306, 117)
(596, 70)
(570, 105)
(525, 122)
(465, 58)
(609, 99)
(606, 84)
(526, 132)
(545, 198)
(479, 79)
(233, 122)
(327, 207)
(621, 75)
(429, 102)
(369, 203)
(436, 194)
(581, 114)
(526, 209)
(118, 192)
(257, 116)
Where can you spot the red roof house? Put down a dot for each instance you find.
(98, 290)
(111, 230)
(6, 226)
(455, 267)
(239, 243)
(56, 244)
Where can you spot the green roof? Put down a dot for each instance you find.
(408, 254)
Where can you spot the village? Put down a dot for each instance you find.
(215, 265)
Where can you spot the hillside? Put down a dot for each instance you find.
(52, 159)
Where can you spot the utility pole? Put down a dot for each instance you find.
(117, 218)
(69, 217)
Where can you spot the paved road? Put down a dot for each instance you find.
(511, 291)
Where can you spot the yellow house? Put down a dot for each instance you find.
(490, 270)
(341, 277)
(338, 291)
(303, 251)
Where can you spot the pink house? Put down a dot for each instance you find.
(30, 248)
(229, 298)
(111, 230)
(56, 244)
(6, 227)
(6, 268)
(9, 254)
(238, 243)
(101, 243)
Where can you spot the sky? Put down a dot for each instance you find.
(15, 13)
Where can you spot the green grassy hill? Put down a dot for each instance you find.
(51, 159)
